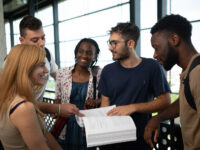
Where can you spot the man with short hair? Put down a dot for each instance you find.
(132, 83)
(171, 39)
(31, 32)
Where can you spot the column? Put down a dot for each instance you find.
(2, 36)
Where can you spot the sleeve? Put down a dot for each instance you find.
(195, 87)
(102, 87)
(159, 81)
(53, 65)
(58, 85)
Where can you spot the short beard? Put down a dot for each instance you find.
(125, 54)
(172, 58)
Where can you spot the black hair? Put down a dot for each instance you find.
(93, 42)
(128, 30)
(29, 22)
(176, 24)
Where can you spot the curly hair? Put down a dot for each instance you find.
(128, 30)
(176, 24)
(29, 22)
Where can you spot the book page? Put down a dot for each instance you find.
(101, 129)
(109, 130)
(108, 124)
(97, 112)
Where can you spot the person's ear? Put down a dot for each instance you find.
(21, 39)
(131, 43)
(174, 39)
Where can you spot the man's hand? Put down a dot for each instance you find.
(68, 109)
(121, 111)
(90, 103)
(152, 126)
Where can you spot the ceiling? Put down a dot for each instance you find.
(14, 9)
(11, 5)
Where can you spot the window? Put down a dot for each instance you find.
(148, 19)
(88, 19)
(188, 9)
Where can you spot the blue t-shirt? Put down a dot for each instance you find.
(126, 86)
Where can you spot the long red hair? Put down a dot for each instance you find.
(14, 78)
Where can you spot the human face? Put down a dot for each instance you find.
(34, 37)
(165, 54)
(38, 75)
(118, 47)
(85, 54)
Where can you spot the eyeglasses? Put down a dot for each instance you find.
(114, 43)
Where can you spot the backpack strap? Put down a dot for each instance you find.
(94, 87)
(94, 74)
(187, 91)
(48, 55)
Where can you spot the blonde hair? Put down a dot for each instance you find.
(15, 76)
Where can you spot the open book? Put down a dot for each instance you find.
(101, 129)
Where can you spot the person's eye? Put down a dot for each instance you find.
(42, 64)
(89, 53)
(43, 38)
(114, 42)
(34, 40)
(80, 51)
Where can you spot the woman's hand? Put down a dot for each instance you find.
(90, 103)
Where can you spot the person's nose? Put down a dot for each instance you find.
(46, 70)
(155, 55)
(85, 55)
(110, 47)
(41, 43)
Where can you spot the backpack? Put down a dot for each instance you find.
(187, 90)
(48, 55)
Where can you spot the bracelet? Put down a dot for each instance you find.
(58, 110)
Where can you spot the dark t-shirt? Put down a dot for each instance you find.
(126, 86)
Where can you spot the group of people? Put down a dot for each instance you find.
(136, 85)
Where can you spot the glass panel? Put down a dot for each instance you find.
(49, 32)
(16, 25)
(173, 78)
(45, 15)
(7, 33)
(100, 25)
(72, 8)
(16, 31)
(16, 39)
(71, 29)
(93, 5)
(146, 48)
(67, 53)
(51, 48)
(196, 35)
(188, 9)
(148, 13)
(105, 56)
(91, 25)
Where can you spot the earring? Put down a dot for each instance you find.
(36, 87)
